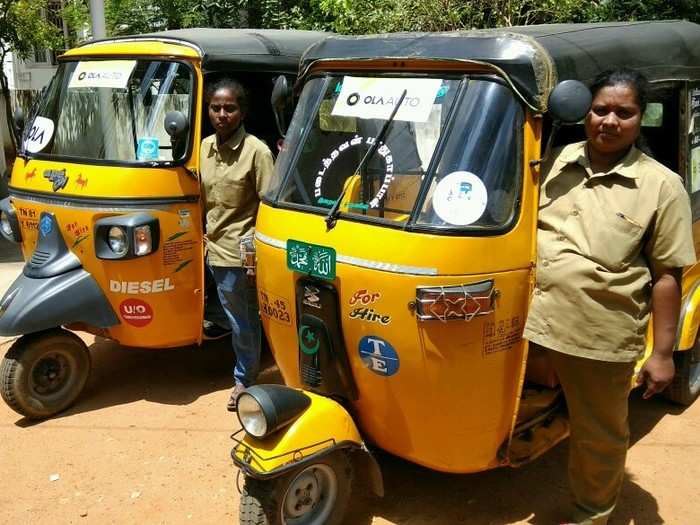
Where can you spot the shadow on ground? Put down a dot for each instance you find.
(536, 493)
(174, 376)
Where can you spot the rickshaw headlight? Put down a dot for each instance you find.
(5, 224)
(251, 416)
(263, 409)
(117, 240)
(143, 243)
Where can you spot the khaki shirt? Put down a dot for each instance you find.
(234, 175)
(599, 236)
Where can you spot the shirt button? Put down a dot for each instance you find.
(561, 238)
(574, 213)
(538, 291)
(545, 263)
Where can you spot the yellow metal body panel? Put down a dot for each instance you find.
(323, 424)
(174, 273)
(690, 310)
(452, 403)
(133, 47)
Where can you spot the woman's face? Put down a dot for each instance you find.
(614, 121)
(224, 112)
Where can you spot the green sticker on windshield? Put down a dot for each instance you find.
(311, 259)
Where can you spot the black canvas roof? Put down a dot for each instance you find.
(534, 58)
(244, 49)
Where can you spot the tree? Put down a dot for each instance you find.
(23, 28)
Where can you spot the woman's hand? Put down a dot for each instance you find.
(657, 373)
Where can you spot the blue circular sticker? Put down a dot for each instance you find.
(45, 225)
(378, 355)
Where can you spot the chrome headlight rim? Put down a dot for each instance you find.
(9, 225)
(279, 405)
(251, 415)
(112, 234)
(6, 225)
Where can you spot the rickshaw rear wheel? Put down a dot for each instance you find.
(43, 373)
(314, 494)
(685, 387)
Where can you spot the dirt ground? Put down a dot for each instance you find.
(148, 442)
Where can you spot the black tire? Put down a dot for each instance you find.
(685, 387)
(44, 373)
(268, 502)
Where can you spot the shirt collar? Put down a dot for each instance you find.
(233, 143)
(625, 167)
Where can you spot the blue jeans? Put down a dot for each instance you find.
(240, 311)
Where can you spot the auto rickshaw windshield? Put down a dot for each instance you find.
(110, 110)
(450, 158)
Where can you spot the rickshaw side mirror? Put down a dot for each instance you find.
(569, 101)
(18, 119)
(175, 124)
(278, 99)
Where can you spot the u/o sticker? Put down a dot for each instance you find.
(136, 312)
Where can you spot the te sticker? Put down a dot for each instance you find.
(136, 312)
(39, 134)
(378, 355)
(460, 198)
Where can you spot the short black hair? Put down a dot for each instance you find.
(234, 86)
(627, 77)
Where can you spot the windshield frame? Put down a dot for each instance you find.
(120, 163)
(412, 223)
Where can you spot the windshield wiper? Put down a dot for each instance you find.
(333, 213)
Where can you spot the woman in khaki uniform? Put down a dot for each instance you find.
(614, 231)
(236, 170)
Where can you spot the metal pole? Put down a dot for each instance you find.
(97, 14)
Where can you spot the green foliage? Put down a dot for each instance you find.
(76, 15)
(23, 28)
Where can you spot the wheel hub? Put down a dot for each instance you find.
(50, 374)
(310, 497)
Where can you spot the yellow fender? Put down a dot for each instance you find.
(325, 426)
(689, 318)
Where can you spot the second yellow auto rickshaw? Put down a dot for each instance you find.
(396, 252)
(104, 199)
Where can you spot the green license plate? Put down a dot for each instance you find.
(311, 259)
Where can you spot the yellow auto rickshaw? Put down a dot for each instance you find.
(396, 252)
(104, 199)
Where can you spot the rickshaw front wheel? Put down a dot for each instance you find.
(314, 494)
(43, 373)
(685, 387)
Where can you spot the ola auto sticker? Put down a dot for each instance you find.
(460, 198)
(369, 98)
(39, 135)
(102, 74)
(378, 355)
(136, 312)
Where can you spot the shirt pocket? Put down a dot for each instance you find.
(608, 237)
(230, 193)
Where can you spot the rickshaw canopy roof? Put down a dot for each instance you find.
(270, 50)
(534, 58)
